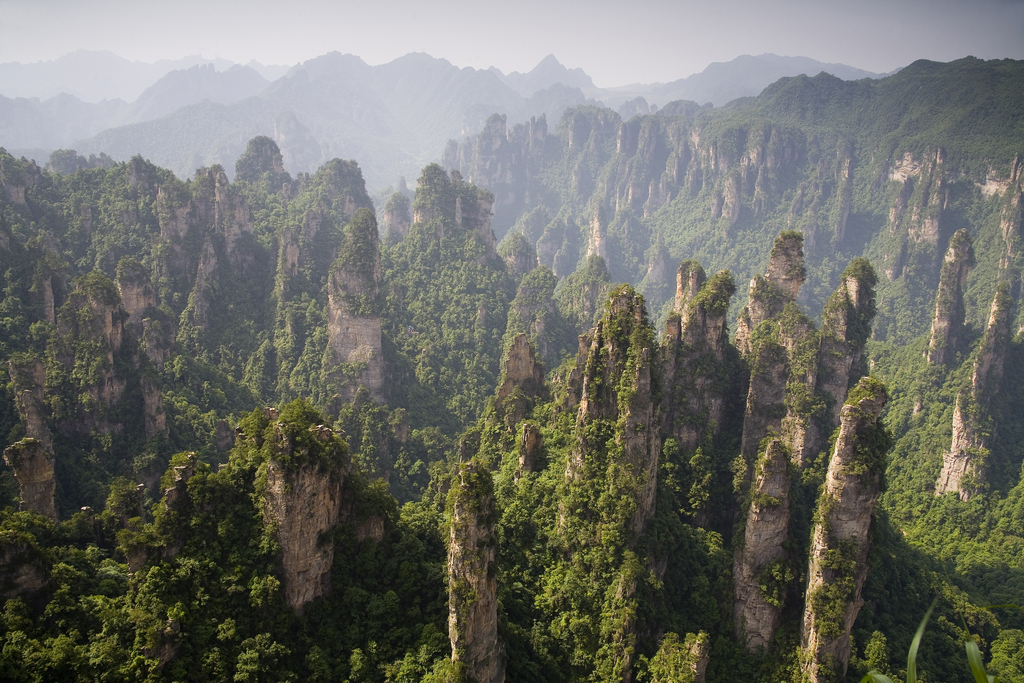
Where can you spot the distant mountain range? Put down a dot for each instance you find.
(392, 118)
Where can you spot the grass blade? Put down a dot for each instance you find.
(875, 677)
(977, 665)
(916, 643)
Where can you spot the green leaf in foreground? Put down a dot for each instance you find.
(977, 666)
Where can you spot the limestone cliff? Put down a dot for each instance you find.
(766, 394)
(760, 560)
(948, 323)
(964, 465)
(353, 311)
(302, 502)
(32, 463)
(90, 333)
(503, 160)
(28, 377)
(533, 311)
(519, 255)
(135, 289)
(522, 380)
(837, 565)
(846, 327)
(472, 577)
(616, 359)
(397, 219)
(693, 353)
(780, 285)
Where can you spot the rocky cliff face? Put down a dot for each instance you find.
(135, 289)
(915, 216)
(472, 577)
(964, 465)
(522, 380)
(32, 463)
(28, 377)
(353, 311)
(846, 327)
(615, 360)
(948, 323)
(760, 560)
(769, 339)
(780, 285)
(397, 219)
(693, 356)
(504, 161)
(302, 501)
(837, 565)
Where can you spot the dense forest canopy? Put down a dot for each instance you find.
(734, 396)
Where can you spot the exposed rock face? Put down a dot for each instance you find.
(619, 352)
(397, 219)
(1011, 222)
(780, 285)
(530, 444)
(769, 373)
(846, 327)
(29, 379)
(32, 463)
(93, 315)
(756, 615)
(522, 380)
(519, 254)
(302, 501)
(472, 577)
(689, 279)
(504, 160)
(533, 311)
(135, 289)
(353, 313)
(800, 429)
(964, 466)
(838, 565)
(948, 323)
(693, 348)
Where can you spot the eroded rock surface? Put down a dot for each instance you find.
(837, 565)
(948, 322)
(302, 501)
(755, 613)
(472, 577)
(964, 465)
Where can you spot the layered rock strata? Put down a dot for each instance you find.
(837, 565)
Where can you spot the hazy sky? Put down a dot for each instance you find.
(615, 42)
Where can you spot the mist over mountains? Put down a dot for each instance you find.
(392, 118)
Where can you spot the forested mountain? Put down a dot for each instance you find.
(392, 117)
(733, 398)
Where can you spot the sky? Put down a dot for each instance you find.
(616, 43)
